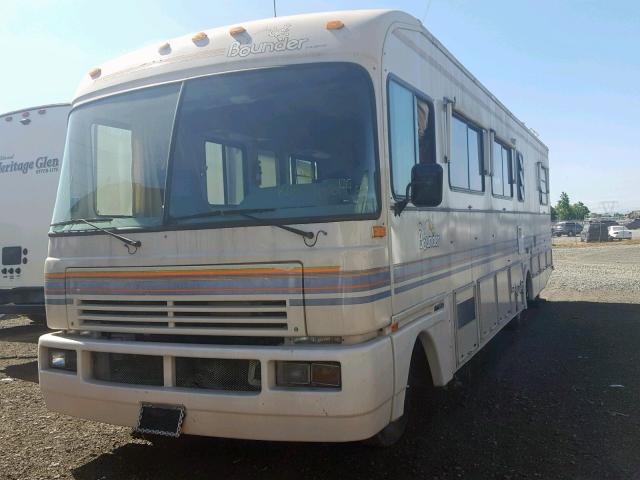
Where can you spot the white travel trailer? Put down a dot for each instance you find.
(235, 250)
(31, 145)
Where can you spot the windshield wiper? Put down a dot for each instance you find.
(245, 212)
(126, 240)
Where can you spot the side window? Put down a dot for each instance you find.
(501, 180)
(224, 174)
(113, 149)
(465, 166)
(544, 184)
(303, 171)
(520, 176)
(411, 134)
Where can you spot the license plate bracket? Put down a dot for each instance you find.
(163, 420)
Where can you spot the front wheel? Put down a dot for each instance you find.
(418, 382)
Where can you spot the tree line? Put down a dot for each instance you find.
(565, 210)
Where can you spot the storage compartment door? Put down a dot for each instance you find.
(504, 296)
(487, 305)
(466, 323)
(517, 288)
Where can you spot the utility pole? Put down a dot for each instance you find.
(274, 9)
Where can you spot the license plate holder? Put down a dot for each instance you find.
(163, 420)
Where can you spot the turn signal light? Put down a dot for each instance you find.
(335, 25)
(379, 231)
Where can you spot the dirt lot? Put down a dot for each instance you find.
(556, 397)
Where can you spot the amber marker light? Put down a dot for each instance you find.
(237, 30)
(199, 37)
(335, 25)
(95, 73)
(379, 231)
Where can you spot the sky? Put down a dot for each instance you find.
(569, 69)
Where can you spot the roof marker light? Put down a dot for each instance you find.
(8, 119)
(335, 25)
(25, 114)
(42, 111)
(200, 37)
(236, 31)
(95, 73)
(164, 49)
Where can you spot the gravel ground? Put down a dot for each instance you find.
(556, 397)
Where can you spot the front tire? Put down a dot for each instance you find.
(418, 382)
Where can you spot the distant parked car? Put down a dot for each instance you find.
(566, 228)
(596, 231)
(633, 224)
(618, 232)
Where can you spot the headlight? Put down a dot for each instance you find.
(63, 360)
(308, 374)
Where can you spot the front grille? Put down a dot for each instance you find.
(218, 374)
(127, 368)
(266, 317)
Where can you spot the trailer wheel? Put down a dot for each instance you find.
(418, 385)
(530, 300)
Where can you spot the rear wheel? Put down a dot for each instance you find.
(419, 384)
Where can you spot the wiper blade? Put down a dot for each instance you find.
(245, 212)
(222, 213)
(126, 240)
(81, 220)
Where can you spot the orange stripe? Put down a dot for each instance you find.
(235, 272)
(157, 273)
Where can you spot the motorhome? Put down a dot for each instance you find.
(262, 230)
(31, 145)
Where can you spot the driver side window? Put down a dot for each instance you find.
(411, 134)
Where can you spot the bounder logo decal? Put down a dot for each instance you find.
(281, 42)
(427, 236)
(40, 165)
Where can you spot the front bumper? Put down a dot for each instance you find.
(360, 409)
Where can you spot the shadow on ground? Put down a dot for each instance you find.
(537, 402)
(26, 333)
(23, 371)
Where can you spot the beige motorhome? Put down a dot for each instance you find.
(262, 229)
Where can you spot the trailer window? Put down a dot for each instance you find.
(302, 171)
(465, 166)
(411, 134)
(520, 176)
(501, 180)
(114, 161)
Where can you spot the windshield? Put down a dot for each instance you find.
(294, 144)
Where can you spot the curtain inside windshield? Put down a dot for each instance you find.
(297, 141)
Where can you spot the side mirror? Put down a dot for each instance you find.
(425, 189)
(426, 185)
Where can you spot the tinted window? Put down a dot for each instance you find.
(292, 143)
(465, 166)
